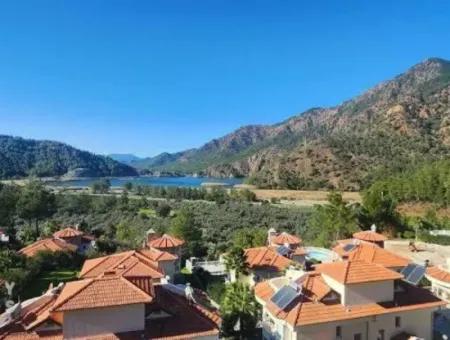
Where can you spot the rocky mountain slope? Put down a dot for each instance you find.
(23, 157)
(394, 125)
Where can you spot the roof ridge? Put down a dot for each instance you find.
(70, 296)
(347, 270)
(104, 258)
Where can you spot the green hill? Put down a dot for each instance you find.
(23, 157)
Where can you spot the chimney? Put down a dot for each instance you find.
(373, 228)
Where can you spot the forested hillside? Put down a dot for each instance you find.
(426, 183)
(23, 157)
(392, 127)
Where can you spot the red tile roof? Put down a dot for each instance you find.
(285, 238)
(369, 236)
(98, 293)
(166, 242)
(47, 244)
(438, 274)
(129, 263)
(157, 255)
(371, 253)
(266, 257)
(303, 311)
(67, 233)
(351, 272)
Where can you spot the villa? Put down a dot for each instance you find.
(47, 244)
(166, 243)
(287, 245)
(146, 262)
(353, 249)
(346, 300)
(439, 276)
(121, 302)
(68, 239)
(263, 263)
(74, 236)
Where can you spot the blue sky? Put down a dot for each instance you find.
(151, 76)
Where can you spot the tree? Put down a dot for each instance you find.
(35, 203)
(128, 186)
(8, 199)
(183, 226)
(163, 209)
(333, 221)
(250, 238)
(240, 312)
(380, 210)
(101, 187)
(236, 262)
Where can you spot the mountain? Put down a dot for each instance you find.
(125, 158)
(23, 157)
(389, 128)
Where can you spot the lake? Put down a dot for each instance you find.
(151, 181)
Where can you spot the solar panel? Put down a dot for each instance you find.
(408, 270)
(416, 275)
(285, 296)
(413, 273)
(283, 251)
(349, 247)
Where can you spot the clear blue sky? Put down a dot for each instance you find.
(151, 76)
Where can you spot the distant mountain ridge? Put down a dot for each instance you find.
(393, 125)
(21, 157)
(126, 158)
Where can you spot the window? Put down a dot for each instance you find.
(398, 322)
(357, 336)
(338, 332)
(381, 334)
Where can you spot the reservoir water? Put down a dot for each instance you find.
(151, 181)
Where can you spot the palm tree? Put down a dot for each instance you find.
(236, 262)
(240, 312)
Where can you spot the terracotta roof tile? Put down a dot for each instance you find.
(157, 255)
(371, 253)
(369, 236)
(266, 257)
(438, 274)
(285, 238)
(165, 242)
(351, 272)
(48, 244)
(304, 312)
(314, 287)
(98, 293)
(67, 233)
(125, 262)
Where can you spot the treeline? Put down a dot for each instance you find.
(427, 183)
(214, 194)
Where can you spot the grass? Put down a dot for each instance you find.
(41, 284)
(147, 212)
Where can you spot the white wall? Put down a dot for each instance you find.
(89, 322)
(362, 293)
(356, 294)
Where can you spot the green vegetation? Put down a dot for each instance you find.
(33, 275)
(24, 157)
(333, 221)
(240, 312)
(427, 183)
(44, 279)
(101, 186)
